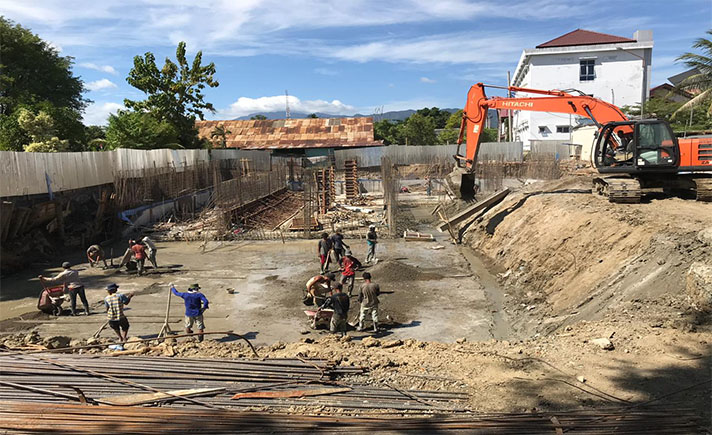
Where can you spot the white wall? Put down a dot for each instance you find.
(619, 79)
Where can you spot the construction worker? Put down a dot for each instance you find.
(371, 240)
(139, 253)
(148, 243)
(73, 286)
(95, 254)
(337, 240)
(195, 304)
(319, 285)
(324, 251)
(339, 302)
(368, 297)
(349, 266)
(114, 303)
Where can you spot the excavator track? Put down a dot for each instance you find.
(703, 187)
(618, 189)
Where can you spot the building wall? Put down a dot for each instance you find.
(619, 79)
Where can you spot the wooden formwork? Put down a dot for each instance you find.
(351, 177)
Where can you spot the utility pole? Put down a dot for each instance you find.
(643, 96)
(286, 98)
(511, 113)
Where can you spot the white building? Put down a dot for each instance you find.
(612, 68)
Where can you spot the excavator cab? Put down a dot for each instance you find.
(634, 146)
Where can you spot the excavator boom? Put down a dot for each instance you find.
(475, 113)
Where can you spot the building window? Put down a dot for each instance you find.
(543, 129)
(586, 73)
(563, 129)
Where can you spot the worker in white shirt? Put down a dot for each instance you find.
(151, 250)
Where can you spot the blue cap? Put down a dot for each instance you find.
(112, 286)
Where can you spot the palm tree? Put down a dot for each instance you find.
(701, 82)
(221, 132)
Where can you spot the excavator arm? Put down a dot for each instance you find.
(475, 113)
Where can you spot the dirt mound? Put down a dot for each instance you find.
(565, 254)
(397, 271)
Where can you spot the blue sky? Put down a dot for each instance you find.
(339, 57)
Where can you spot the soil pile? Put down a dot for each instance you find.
(566, 254)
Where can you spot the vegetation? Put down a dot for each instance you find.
(700, 83)
(40, 129)
(35, 79)
(258, 118)
(420, 129)
(130, 129)
(221, 133)
(174, 95)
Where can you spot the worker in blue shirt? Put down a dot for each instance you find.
(195, 304)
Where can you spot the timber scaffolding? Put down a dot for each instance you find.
(351, 179)
(296, 395)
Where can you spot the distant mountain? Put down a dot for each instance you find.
(397, 115)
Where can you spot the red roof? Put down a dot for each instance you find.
(293, 133)
(583, 37)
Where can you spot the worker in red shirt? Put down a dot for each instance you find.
(349, 266)
(139, 252)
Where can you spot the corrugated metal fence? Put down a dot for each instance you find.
(31, 173)
(426, 154)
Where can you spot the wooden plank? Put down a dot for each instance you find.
(290, 393)
(145, 398)
(469, 211)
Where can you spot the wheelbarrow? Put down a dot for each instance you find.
(322, 318)
(50, 300)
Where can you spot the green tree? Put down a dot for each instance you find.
(451, 131)
(419, 130)
(33, 76)
(129, 129)
(663, 108)
(700, 83)
(40, 129)
(258, 118)
(174, 92)
(312, 115)
(439, 117)
(390, 132)
(220, 132)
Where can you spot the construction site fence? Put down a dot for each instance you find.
(558, 150)
(35, 173)
(247, 188)
(427, 154)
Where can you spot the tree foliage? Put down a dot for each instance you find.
(700, 83)
(390, 132)
(220, 132)
(439, 117)
(129, 129)
(34, 77)
(419, 130)
(663, 108)
(174, 92)
(40, 129)
(258, 118)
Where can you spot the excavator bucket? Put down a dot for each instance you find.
(462, 183)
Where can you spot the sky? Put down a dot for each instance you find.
(338, 57)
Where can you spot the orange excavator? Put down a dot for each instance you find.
(630, 155)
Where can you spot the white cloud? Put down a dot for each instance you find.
(427, 80)
(245, 106)
(452, 48)
(100, 84)
(326, 71)
(98, 113)
(104, 68)
(223, 25)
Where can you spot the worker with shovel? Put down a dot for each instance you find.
(368, 297)
(115, 303)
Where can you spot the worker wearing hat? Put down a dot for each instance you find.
(115, 311)
(371, 240)
(73, 286)
(195, 304)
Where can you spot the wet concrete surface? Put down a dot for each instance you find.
(428, 294)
